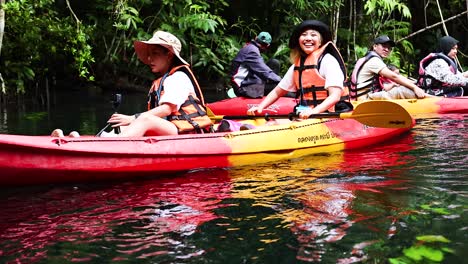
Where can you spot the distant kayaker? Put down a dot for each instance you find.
(368, 69)
(175, 103)
(317, 74)
(438, 72)
(250, 76)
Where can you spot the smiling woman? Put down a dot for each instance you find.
(317, 74)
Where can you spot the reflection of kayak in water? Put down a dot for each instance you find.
(43, 159)
(285, 105)
(136, 217)
(321, 209)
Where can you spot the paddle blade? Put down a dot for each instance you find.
(384, 114)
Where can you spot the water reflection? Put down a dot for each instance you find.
(317, 203)
(342, 207)
(125, 220)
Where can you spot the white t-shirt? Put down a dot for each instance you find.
(177, 88)
(329, 69)
(371, 68)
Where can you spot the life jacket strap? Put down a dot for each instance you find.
(188, 117)
(305, 67)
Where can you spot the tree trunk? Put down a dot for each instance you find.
(2, 29)
(2, 23)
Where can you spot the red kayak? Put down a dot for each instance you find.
(285, 105)
(44, 159)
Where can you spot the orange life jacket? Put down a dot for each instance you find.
(191, 117)
(311, 84)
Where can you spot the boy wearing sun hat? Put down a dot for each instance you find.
(175, 104)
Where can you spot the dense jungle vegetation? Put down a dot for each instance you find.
(62, 42)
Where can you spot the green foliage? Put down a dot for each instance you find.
(385, 16)
(383, 7)
(127, 17)
(38, 41)
(114, 35)
(45, 39)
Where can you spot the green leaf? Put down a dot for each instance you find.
(433, 238)
(417, 253)
(448, 250)
(397, 261)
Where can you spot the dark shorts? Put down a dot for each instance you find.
(251, 91)
(449, 91)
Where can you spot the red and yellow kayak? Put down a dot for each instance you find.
(285, 105)
(45, 159)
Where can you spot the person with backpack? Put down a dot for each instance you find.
(251, 77)
(365, 79)
(438, 71)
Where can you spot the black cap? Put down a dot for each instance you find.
(321, 27)
(384, 39)
(446, 44)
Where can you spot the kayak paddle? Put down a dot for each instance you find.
(384, 114)
(115, 105)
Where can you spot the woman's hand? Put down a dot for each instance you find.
(254, 110)
(120, 120)
(308, 112)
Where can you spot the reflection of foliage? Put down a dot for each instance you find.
(426, 248)
(437, 210)
(416, 234)
(37, 116)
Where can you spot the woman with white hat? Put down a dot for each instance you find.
(175, 104)
(317, 74)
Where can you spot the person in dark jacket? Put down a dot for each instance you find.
(250, 76)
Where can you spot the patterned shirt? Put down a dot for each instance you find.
(440, 70)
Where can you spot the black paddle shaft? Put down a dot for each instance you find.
(117, 100)
(289, 116)
(116, 105)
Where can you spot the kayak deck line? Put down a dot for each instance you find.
(227, 135)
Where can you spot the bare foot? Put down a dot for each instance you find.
(74, 134)
(57, 133)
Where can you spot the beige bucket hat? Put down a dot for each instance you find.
(161, 38)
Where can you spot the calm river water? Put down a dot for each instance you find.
(401, 202)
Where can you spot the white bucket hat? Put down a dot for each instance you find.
(161, 38)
